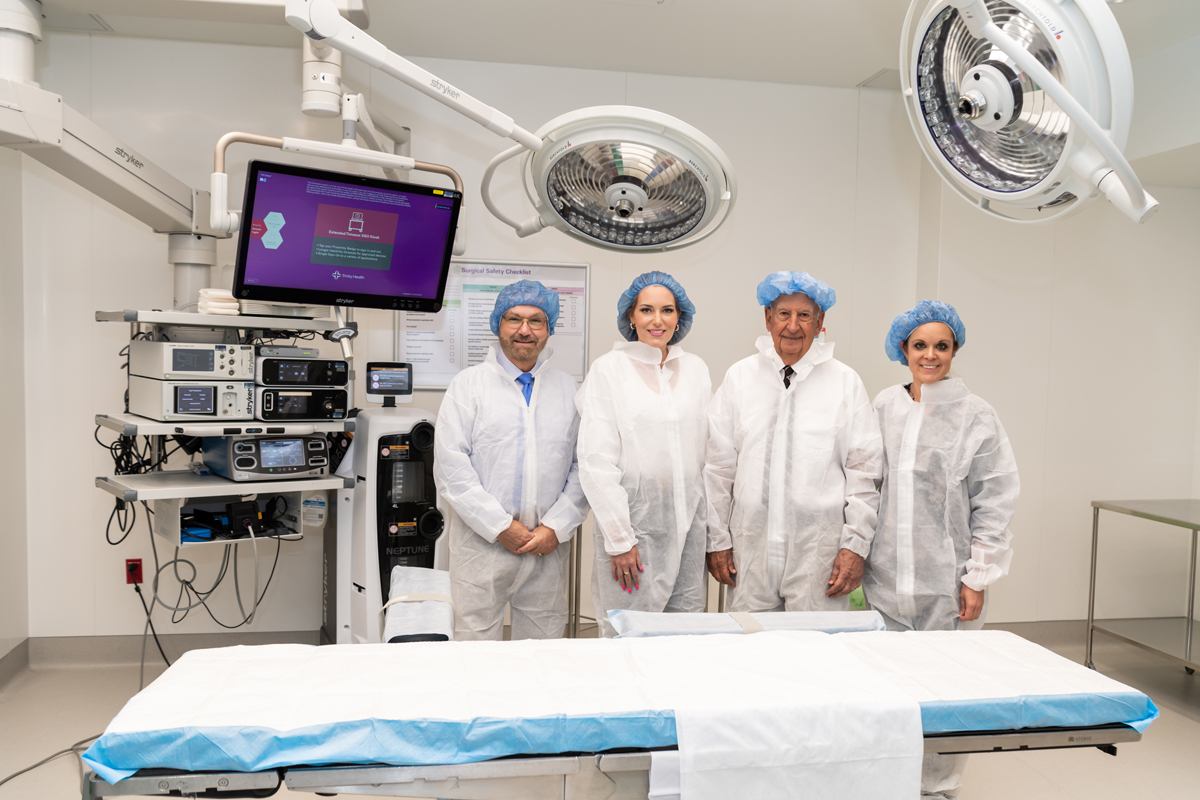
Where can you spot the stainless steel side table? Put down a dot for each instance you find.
(1170, 637)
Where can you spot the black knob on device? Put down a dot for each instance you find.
(421, 437)
(430, 524)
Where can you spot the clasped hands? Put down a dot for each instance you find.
(845, 578)
(519, 540)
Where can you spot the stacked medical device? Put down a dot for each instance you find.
(191, 381)
(294, 384)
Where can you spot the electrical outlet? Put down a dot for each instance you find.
(133, 570)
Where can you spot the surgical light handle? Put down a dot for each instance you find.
(523, 229)
(1127, 195)
(320, 20)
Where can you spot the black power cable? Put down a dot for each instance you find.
(138, 588)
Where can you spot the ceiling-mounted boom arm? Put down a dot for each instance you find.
(320, 20)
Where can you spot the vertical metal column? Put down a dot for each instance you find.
(721, 600)
(1087, 661)
(578, 575)
(1187, 647)
(572, 611)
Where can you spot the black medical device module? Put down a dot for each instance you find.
(300, 405)
(406, 512)
(306, 372)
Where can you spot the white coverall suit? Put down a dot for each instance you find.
(497, 459)
(790, 477)
(950, 489)
(642, 436)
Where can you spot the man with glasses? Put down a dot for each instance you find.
(794, 454)
(506, 470)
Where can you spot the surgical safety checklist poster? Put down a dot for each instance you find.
(441, 345)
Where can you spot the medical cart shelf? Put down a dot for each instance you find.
(183, 318)
(181, 484)
(1169, 637)
(133, 425)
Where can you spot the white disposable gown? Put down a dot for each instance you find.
(482, 486)
(950, 488)
(790, 477)
(642, 436)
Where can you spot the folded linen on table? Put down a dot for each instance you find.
(753, 712)
(995, 680)
(429, 612)
(656, 623)
(791, 709)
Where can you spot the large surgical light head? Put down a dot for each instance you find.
(618, 177)
(1023, 107)
(623, 178)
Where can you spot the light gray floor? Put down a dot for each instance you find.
(49, 708)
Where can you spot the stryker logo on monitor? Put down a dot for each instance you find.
(324, 238)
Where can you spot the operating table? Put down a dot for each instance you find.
(978, 692)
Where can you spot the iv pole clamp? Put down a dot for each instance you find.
(344, 334)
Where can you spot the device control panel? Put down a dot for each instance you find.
(299, 405)
(302, 372)
(406, 501)
(190, 400)
(389, 382)
(258, 458)
(191, 361)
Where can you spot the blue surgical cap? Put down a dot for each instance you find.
(687, 309)
(526, 293)
(923, 312)
(778, 283)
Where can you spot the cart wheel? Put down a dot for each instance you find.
(1189, 670)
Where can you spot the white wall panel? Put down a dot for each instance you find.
(1082, 335)
(1121, 416)
(14, 563)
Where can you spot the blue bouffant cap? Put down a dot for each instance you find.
(687, 309)
(526, 293)
(923, 312)
(778, 283)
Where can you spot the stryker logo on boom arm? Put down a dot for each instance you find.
(130, 158)
(445, 89)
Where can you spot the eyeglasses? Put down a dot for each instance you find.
(535, 323)
(804, 317)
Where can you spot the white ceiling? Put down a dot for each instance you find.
(838, 43)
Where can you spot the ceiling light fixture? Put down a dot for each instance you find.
(986, 87)
(622, 178)
(618, 177)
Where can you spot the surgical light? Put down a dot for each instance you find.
(618, 177)
(1023, 107)
(622, 178)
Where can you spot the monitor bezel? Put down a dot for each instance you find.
(317, 297)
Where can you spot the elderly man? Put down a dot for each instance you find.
(794, 453)
(506, 470)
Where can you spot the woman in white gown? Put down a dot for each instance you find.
(642, 435)
(949, 491)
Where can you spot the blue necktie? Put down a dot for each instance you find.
(526, 381)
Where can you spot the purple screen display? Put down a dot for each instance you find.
(307, 233)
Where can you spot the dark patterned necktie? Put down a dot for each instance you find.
(788, 372)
